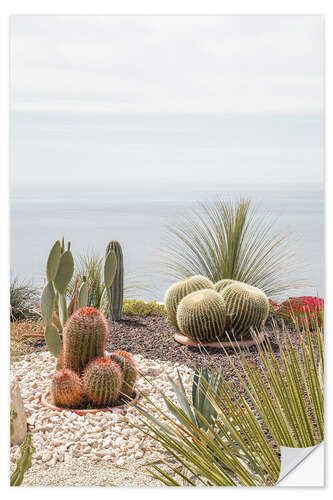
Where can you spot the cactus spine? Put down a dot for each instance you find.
(179, 290)
(66, 389)
(116, 289)
(201, 315)
(102, 381)
(128, 367)
(84, 338)
(220, 285)
(248, 307)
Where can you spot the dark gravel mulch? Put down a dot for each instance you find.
(152, 337)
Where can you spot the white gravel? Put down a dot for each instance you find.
(104, 441)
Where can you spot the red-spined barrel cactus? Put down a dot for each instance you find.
(102, 381)
(66, 389)
(84, 338)
(128, 367)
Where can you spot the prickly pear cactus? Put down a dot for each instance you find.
(65, 271)
(179, 290)
(201, 315)
(116, 289)
(84, 338)
(128, 367)
(53, 306)
(102, 381)
(83, 294)
(248, 307)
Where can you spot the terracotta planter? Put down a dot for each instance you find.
(47, 404)
(182, 339)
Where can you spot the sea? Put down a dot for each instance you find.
(137, 216)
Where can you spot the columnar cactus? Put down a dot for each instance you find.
(223, 283)
(102, 381)
(66, 389)
(248, 307)
(84, 338)
(201, 315)
(179, 290)
(116, 287)
(128, 367)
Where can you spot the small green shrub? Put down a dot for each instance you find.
(134, 307)
(22, 294)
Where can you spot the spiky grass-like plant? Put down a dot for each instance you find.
(230, 240)
(276, 400)
(90, 265)
(287, 391)
(209, 446)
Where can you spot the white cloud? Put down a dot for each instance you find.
(181, 64)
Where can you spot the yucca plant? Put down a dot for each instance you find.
(230, 240)
(287, 391)
(211, 447)
(279, 399)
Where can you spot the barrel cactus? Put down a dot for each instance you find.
(224, 283)
(201, 315)
(66, 389)
(128, 367)
(116, 287)
(84, 338)
(248, 307)
(102, 382)
(179, 290)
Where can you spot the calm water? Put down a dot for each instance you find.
(136, 216)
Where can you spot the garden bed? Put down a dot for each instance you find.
(153, 337)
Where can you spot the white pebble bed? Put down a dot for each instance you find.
(104, 437)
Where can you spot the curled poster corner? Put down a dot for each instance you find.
(292, 457)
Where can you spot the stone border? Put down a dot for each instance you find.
(182, 339)
(92, 411)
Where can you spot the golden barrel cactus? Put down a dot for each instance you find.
(179, 290)
(248, 308)
(220, 285)
(201, 315)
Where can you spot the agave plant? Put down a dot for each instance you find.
(200, 402)
(222, 240)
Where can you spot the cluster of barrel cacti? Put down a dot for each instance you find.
(53, 305)
(88, 374)
(206, 312)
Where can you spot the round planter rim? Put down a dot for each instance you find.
(182, 339)
(91, 411)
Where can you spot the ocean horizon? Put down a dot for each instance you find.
(136, 215)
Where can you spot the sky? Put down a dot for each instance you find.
(166, 99)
